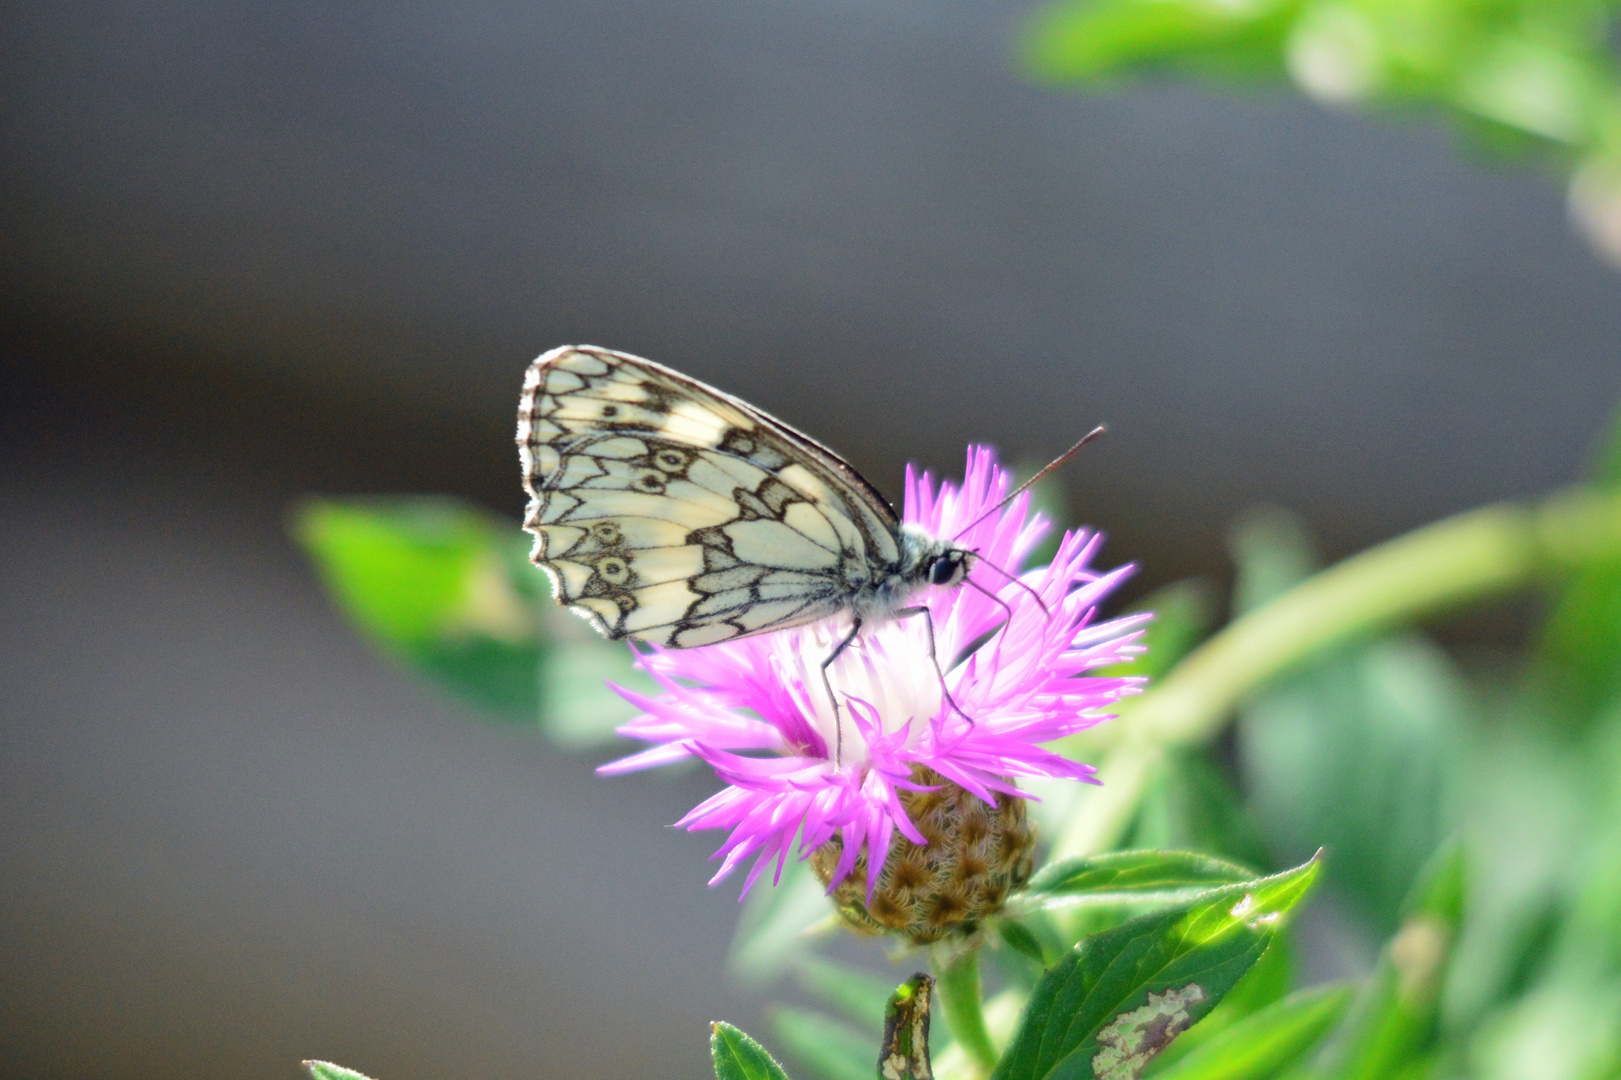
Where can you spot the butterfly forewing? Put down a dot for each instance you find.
(666, 510)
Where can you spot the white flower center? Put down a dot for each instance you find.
(885, 673)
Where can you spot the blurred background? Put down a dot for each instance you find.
(255, 252)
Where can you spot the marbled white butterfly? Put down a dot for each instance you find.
(667, 511)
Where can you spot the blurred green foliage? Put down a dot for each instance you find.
(449, 590)
(1579, 651)
(1470, 815)
(1352, 750)
(1541, 70)
(325, 1070)
(1519, 75)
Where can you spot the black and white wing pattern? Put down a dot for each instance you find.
(668, 511)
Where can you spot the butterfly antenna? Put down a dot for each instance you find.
(1034, 595)
(1049, 467)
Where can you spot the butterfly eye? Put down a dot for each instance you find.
(944, 570)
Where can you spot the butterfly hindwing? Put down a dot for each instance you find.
(666, 510)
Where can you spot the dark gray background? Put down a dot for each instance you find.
(255, 251)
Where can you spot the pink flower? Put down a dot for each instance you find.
(756, 709)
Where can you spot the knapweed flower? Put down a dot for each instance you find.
(899, 756)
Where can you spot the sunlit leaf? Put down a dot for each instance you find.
(1527, 84)
(431, 581)
(1121, 996)
(1145, 877)
(1563, 1029)
(738, 1057)
(448, 589)
(1265, 984)
(1265, 1043)
(1518, 76)
(1092, 40)
(325, 1070)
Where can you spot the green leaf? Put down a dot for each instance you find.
(1145, 877)
(1089, 41)
(1590, 943)
(1579, 651)
(1530, 814)
(1119, 997)
(738, 1057)
(823, 1045)
(1265, 1043)
(1265, 984)
(431, 581)
(1563, 1030)
(904, 1052)
(449, 589)
(1018, 937)
(1391, 1023)
(325, 1070)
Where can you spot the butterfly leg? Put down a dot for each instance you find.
(928, 625)
(827, 684)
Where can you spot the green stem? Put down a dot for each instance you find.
(960, 1000)
(1481, 553)
(1476, 554)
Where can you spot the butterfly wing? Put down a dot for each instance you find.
(668, 511)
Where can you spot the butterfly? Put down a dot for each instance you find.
(669, 512)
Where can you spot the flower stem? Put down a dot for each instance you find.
(960, 1000)
(1470, 556)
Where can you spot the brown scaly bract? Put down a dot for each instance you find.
(976, 856)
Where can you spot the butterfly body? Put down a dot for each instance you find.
(668, 511)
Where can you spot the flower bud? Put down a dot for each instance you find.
(976, 854)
